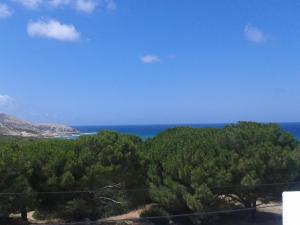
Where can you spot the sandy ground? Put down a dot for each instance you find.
(275, 210)
(265, 216)
(36, 221)
(32, 220)
(268, 216)
(135, 214)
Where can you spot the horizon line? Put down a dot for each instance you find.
(180, 124)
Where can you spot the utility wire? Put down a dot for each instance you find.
(110, 187)
(61, 192)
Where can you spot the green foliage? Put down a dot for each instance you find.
(263, 153)
(90, 163)
(14, 173)
(183, 169)
(186, 166)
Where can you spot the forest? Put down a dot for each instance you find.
(182, 170)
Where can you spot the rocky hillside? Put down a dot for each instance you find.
(10, 125)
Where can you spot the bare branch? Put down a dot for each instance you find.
(238, 199)
(109, 187)
(110, 199)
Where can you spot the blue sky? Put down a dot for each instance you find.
(150, 61)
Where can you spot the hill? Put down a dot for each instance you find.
(12, 126)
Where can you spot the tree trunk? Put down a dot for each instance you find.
(253, 212)
(251, 204)
(93, 214)
(23, 211)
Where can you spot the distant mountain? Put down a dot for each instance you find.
(10, 125)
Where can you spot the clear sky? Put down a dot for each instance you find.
(150, 61)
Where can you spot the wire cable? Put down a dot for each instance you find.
(110, 187)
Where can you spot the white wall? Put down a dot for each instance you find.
(291, 208)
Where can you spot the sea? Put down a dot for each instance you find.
(149, 131)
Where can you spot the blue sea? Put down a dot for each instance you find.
(149, 131)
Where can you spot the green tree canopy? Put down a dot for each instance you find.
(188, 167)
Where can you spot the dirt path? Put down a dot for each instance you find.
(135, 214)
(31, 219)
(275, 210)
